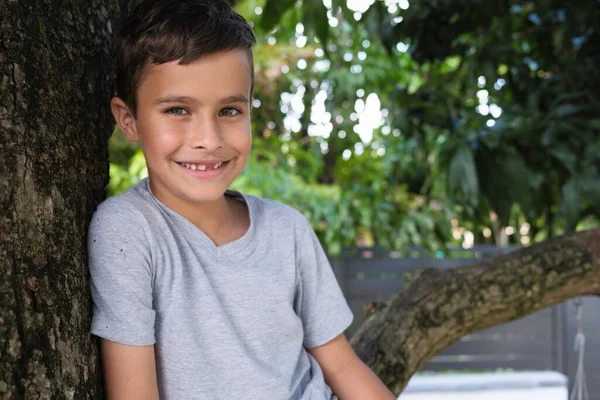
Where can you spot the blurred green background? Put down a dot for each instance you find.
(431, 123)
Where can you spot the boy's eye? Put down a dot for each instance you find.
(229, 112)
(177, 111)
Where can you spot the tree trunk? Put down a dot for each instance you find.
(440, 307)
(55, 122)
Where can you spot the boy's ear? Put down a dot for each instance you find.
(124, 118)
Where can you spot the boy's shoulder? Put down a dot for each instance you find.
(272, 210)
(127, 208)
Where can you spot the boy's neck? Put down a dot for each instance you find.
(223, 220)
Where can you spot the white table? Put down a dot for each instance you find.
(522, 385)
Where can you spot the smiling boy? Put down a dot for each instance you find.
(200, 292)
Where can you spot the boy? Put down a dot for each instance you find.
(200, 292)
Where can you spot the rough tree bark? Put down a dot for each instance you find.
(55, 123)
(440, 307)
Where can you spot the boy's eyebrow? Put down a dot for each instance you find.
(174, 99)
(186, 99)
(240, 98)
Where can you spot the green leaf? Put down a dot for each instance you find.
(450, 64)
(379, 24)
(343, 5)
(373, 20)
(594, 123)
(565, 155)
(558, 40)
(570, 96)
(570, 207)
(567, 110)
(590, 187)
(505, 181)
(314, 18)
(273, 11)
(518, 178)
(462, 175)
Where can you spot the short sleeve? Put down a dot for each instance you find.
(121, 276)
(320, 302)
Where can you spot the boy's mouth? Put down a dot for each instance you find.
(203, 167)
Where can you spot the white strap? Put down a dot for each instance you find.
(580, 391)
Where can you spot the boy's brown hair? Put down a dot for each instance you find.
(159, 31)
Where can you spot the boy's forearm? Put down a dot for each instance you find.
(358, 382)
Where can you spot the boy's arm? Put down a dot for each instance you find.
(129, 371)
(346, 374)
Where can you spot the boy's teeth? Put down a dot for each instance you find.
(200, 167)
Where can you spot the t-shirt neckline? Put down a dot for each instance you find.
(230, 248)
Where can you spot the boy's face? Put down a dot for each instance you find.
(193, 124)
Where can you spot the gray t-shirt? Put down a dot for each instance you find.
(228, 322)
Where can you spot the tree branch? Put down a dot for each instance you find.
(441, 307)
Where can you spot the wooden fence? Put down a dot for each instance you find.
(542, 341)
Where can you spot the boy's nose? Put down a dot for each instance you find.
(206, 135)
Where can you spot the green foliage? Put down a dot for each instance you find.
(127, 164)
(545, 79)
